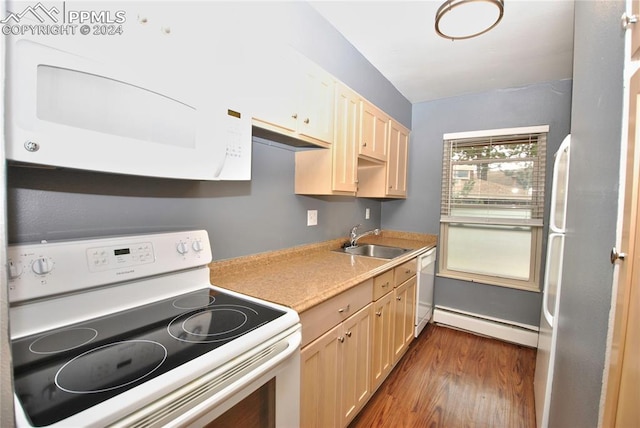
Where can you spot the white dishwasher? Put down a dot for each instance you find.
(424, 299)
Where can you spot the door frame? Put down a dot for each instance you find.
(626, 277)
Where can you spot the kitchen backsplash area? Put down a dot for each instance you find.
(241, 217)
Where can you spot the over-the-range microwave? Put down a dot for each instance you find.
(70, 107)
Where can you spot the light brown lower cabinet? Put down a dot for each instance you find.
(404, 314)
(371, 326)
(382, 343)
(356, 364)
(335, 373)
(320, 381)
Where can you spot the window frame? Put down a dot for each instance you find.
(536, 224)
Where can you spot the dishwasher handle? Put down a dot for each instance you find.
(427, 259)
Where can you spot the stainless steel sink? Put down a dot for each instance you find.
(372, 250)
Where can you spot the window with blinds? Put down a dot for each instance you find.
(492, 206)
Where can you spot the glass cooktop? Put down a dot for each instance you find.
(65, 371)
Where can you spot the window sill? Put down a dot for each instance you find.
(519, 285)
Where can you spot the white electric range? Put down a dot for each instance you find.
(128, 331)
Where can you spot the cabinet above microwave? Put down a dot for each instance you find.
(66, 109)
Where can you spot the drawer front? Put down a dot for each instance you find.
(404, 272)
(319, 319)
(382, 284)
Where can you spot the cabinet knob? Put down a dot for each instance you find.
(379, 313)
(294, 116)
(398, 298)
(306, 121)
(348, 334)
(615, 255)
(345, 309)
(628, 20)
(364, 144)
(385, 285)
(408, 271)
(341, 339)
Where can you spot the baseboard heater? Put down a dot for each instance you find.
(509, 331)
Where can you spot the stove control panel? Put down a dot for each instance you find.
(57, 268)
(119, 256)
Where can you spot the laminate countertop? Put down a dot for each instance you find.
(304, 276)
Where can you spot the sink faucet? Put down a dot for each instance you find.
(353, 236)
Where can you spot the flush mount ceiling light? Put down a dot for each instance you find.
(464, 19)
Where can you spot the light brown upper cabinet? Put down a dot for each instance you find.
(387, 180)
(369, 152)
(293, 97)
(635, 33)
(374, 128)
(333, 171)
(397, 161)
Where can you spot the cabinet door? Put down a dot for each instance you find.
(410, 314)
(374, 124)
(381, 346)
(320, 380)
(397, 160)
(404, 315)
(635, 32)
(274, 90)
(356, 361)
(345, 154)
(316, 103)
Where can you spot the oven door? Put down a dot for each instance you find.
(67, 108)
(263, 387)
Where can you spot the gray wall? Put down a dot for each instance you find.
(593, 179)
(540, 104)
(297, 24)
(241, 217)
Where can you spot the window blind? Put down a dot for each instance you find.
(494, 179)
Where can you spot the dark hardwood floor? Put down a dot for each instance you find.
(450, 378)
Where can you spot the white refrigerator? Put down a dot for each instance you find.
(547, 337)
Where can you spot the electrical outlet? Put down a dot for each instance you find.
(312, 217)
(367, 214)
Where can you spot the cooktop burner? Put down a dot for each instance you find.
(83, 374)
(64, 371)
(63, 340)
(226, 322)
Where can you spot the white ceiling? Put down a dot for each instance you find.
(533, 43)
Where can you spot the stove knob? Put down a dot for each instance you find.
(42, 266)
(197, 246)
(182, 248)
(15, 269)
